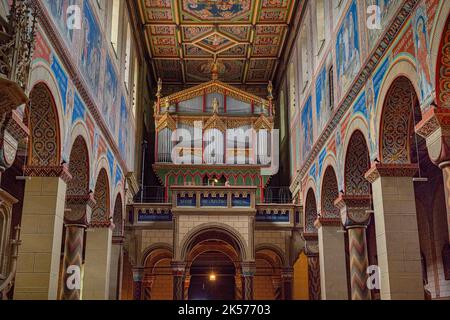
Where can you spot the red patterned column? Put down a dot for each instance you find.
(238, 287)
(178, 272)
(187, 283)
(277, 287)
(312, 255)
(77, 217)
(355, 217)
(248, 273)
(147, 285)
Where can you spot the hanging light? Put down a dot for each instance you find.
(212, 276)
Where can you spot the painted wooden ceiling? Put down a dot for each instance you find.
(246, 37)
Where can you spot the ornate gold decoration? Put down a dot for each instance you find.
(166, 121)
(215, 122)
(263, 123)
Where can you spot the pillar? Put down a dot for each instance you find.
(38, 265)
(147, 285)
(97, 263)
(76, 220)
(187, 283)
(397, 234)
(355, 216)
(116, 267)
(445, 166)
(286, 283)
(277, 287)
(138, 277)
(333, 275)
(178, 272)
(248, 273)
(238, 287)
(312, 256)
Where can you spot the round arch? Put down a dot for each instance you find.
(101, 212)
(229, 234)
(310, 212)
(275, 249)
(396, 128)
(79, 168)
(357, 162)
(45, 133)
(329, 193)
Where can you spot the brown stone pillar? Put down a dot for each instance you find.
(355, 217)
(76, 220)
(397, 233)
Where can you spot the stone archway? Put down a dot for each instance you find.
(329, 194)
(443, 69)
(157, 281)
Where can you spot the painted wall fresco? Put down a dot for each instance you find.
(322, 111)
(92, 52)
(110, 92)
(59, 12)
(387, 12)
(348, 60)
(423, 54)
(91, 44)
(307, 128)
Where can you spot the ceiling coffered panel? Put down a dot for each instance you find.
(246, 37)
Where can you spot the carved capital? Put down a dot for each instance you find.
(378, 170)
(355, 210)
(327, 222)
(12, 131)
(79, 209)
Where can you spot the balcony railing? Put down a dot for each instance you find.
(277, 195)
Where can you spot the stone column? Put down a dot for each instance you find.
(138, 277)
(38, 265)
(147, 285)
(333, 275)
(435, 128)
(77, 218)
(187, 283)
(178, 272)
(98, 263)
(287, 276)
(238, 287)
(312, 255)
(355, 216)
(248, 273)
(397, 234)
(277, 287)
(115, 280)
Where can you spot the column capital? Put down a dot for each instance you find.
(378, 170)
(178, 268)
(312, 248)
(435, 128)
(78, 209)
(138, 274)
(327, 222)
(355, 210)
(248, 268)
(12, 131)
(61, 171)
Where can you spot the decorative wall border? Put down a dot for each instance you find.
(358, 84)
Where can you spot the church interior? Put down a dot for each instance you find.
(224, 150)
